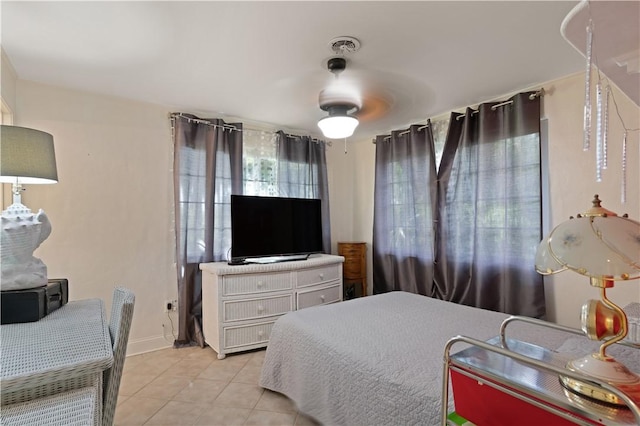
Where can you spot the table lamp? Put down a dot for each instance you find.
(606, 248)
(26, 157)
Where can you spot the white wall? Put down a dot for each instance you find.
(351, 188)
(112, 207)
(572, 186)
(8, 80)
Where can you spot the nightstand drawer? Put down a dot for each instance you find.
(256, 283)
(351, 251)
(319, 296)
(308, 277)
(352, 269)
(246, 335)
(236, 310)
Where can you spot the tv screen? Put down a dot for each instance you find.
(274, 226)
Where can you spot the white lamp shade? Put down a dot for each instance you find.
(599, 244)
(599, 247)
(338, 126)
(26, 156)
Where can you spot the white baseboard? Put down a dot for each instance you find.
(147, 344)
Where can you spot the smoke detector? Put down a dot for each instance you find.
(344, 44)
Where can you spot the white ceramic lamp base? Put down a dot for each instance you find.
(22, 233)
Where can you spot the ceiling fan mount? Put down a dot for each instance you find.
(336, 65)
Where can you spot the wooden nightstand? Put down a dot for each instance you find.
(354, 270)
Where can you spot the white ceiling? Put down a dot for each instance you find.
(616, 40)
(265, 62)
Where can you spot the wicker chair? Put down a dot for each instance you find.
(119, 326)
(77, 407)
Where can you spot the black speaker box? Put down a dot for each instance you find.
(32, 304)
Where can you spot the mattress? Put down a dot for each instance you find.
(376, 360)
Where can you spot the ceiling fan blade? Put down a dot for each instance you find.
(374, 106)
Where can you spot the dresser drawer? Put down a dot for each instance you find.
(245, 335)
(258, 283)
(321, 296)
(351, 251)
(236, 310)
(352, 269)
(308, 277)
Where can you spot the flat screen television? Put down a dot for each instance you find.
(274, 228)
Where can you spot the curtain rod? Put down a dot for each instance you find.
(174, 115)
(532, 96)
(403, 132)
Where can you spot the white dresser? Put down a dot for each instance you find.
(240, 304)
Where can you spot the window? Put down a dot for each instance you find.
(259, 163)
(487, 202)
(194, 200)
(409, 229)
(505, 211)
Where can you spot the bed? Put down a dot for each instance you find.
(377, 360)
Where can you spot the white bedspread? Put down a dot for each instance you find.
(376, 360)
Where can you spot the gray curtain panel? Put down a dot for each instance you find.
(302, 173)
(207, 170)
(404, 200)
(489, 209)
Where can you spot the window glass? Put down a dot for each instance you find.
(259, 163)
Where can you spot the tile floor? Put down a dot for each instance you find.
(191, 386)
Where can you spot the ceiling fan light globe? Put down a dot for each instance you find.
(338, 127)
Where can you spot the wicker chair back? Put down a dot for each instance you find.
(119, 327)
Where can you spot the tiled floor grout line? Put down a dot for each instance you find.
(262, 407)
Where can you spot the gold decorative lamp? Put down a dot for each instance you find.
(606, 248)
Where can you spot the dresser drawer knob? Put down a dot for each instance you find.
(321, 276)
(259, 284)
(322, 297)
(260, 333)
(260, 308)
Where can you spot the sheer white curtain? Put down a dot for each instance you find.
(260, 163)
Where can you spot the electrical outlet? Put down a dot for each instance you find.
(170, 305)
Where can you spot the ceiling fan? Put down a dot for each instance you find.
(346, 99)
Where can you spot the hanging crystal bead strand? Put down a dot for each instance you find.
(599, 148)
(587, 90)
(623, 189)
(605, 127)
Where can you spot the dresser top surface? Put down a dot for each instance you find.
(223, 268)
